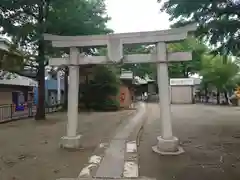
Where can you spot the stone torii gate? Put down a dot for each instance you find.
(167, 143)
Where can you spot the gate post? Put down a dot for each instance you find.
(167, 143)
(72, 140)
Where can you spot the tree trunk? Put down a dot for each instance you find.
(206, 94)
(65, 104)
(226, 97)
(184, 70)
(184, 73)
(218, 97)
(40, 115)
(41, 82)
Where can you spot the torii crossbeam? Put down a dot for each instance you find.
(167, 143)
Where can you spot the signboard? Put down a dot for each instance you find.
(182, 82)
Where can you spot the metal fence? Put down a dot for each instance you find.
(12, 112)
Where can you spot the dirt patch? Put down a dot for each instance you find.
(210, 137)
(30, 149)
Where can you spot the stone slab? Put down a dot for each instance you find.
(70, 142)
(130, 169)
(113, 161)
(135, 121)
(140, 178)
(178, 152)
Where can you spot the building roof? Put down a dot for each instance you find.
(128, 75)
(8, 78)
(4, 44)
(4, 40)
(185, 81)
(19, 82)
(197, 81)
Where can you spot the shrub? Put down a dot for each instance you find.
(97, 94)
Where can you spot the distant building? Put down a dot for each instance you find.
(16, 91)
(183, 90)
(133, 87)
(51, 90)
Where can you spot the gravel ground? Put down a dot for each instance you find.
(210, 136)
(30, 150)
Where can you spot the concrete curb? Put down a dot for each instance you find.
(140, 178)
(94, 161)
(134, 136)
(120, 158)
(131, 167)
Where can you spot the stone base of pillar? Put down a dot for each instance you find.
(168, 146)
(70, 142)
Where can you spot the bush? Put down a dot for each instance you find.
(97, 93)
(111, 104)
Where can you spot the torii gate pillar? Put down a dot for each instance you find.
(167, 143)
(72, 139)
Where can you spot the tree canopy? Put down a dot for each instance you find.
(218, 20)
(25, 22)
(187, 68)
(176, 70)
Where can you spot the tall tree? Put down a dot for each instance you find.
(218, 20)
(26, 21)
(219, 73)
(185, 69)
(11, 60)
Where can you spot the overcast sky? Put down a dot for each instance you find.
(136, 15)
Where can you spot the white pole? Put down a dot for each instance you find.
(59, 87)
(164, 95)
(73, 94)
(167, 143)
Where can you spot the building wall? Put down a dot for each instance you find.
(21, 94)
(10, 94)
(5, 98)
(181, 94)
(52, 84)
(152, 88)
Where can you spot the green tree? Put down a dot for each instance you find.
(185, 69)
(101, 92)
(176, 70)
(140, 69)
(220, 73)
(218, 21)
(11, 60)
(25, 22)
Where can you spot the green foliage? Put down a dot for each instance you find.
(25, 22)
(184, 69)
(218, 21)
(141, 69)
(29, 19)
(176, 70)
(109, 104)
(11, 60)
(101, 93)
(219, 72)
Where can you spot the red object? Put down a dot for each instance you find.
(122, 97)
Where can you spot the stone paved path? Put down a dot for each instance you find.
(119, 158)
